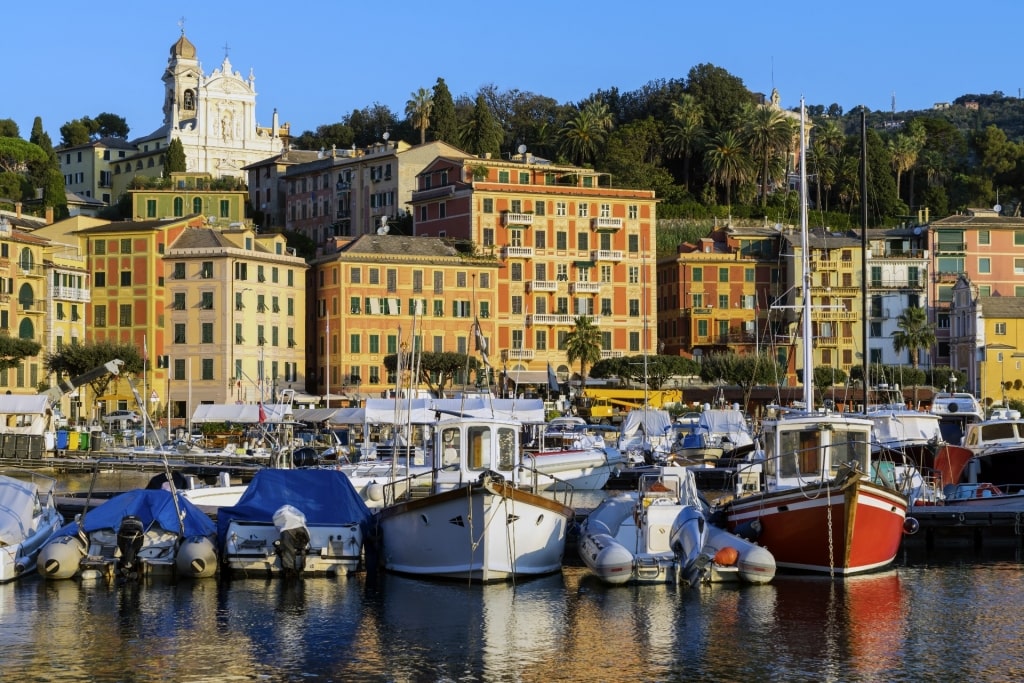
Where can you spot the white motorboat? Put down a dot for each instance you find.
(997, 448)
(659, 534)
(28, 516)
(477, 516)
(305, 522)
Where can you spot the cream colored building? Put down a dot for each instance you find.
(235, 322)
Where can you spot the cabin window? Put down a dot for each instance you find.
(848, 447)
(506, 448)
(450, 440)
(479, 447)
(799, 454)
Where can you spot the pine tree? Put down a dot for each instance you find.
(445, 125)
(174, 158)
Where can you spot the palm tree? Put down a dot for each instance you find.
(685, 133)
(581, 136)
(768, 134)
(418, 109)
(914, 334)
(903, 151)
(726, 162)
(583, 344)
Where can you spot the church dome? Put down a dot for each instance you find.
(183, 48)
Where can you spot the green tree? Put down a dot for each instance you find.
(446, 124)
(417, 109)
(745, 371)
(16, 155)
(13, 350)
(40, 137)
(437, 370)
(825, 377)
(583, 344)
(768, 135)
(633, 156)
(482, 134)
(685, 133)
(905, 149)
(110, 125)
(720, 94)
(74, 133)
(726, 162)
(582, 136)
(915, 334)
(73, 360)
(9, 129)
(174, 158)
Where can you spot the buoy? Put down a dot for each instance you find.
(727, 556)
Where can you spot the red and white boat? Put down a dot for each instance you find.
(813, 500)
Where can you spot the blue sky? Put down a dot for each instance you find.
(317, 61)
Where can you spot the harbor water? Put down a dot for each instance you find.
(938, 615)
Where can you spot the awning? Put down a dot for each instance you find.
(528, 376)
(583, 264)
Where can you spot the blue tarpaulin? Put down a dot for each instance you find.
(152, 507)
(323, 496)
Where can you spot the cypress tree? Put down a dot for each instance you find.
(444, 124)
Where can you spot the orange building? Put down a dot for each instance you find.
(567, 245)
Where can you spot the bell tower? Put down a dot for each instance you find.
(182, 82)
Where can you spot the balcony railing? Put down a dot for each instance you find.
(520, 354)
(606, 255)
(584, 287)
(950, 247)
(611, 354)
(509, 218)
(606, 224)
(541, 286)
(70, 293)
(559, 319)
(517, 252)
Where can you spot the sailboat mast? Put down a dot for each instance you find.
(865, 359)
(805, 267)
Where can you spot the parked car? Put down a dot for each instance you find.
(122, 416)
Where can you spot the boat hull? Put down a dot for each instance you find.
(851, 528)
(488, 531)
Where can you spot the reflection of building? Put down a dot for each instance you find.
(568, 246)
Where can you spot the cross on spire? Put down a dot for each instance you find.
(181, 25)
(227, 49)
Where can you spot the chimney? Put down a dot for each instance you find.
(49, 215)
(17, 209)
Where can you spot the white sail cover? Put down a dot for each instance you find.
(17, 503)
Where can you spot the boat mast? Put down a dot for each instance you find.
(805, 267)
(864, 248)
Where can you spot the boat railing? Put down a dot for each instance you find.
(533, 479)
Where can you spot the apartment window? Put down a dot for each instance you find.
(698, 300)
(561, 209)
(723, 274)
(723, 301)
(634, 308)
(150, 208)
(485, 280)
(1001, 328)
(517, 305)
(540, 239)
(634, 341)
(984, 238)
(99, 316)
(179, 301)
(633, 273)
(582, 210)
(206, 272)
(582, 241)
(561, 240)
(125, 315)
(984, 265)
(606, 273)
(748, 274)
(353, 343)
(438, 308)
(100, 279)
(206, 303)
(541, 340)
(438, 282)
(392, 276)
(238, 334)
(698, 275)
(539, 208)
(417, 281)
(562, 272)
(633, 244)
(207, 368)
(516, 272)
(488, 205)
(485, 309)
(374, 276)
(225, 208)
(179, 333)
(632, 211)
(60, 311)
(502, 176)
(460, 279)
(1018, 238)
(605, 211)
(1018, 266)
(207, 333)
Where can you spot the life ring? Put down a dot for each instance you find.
(992, 489)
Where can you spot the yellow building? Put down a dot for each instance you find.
(378, 293)
(68, 299)
(220, 201)
(24, 304)
(569, 245)
(235, 317)
(986, 333)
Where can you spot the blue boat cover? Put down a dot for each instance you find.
(152, 506)
(325, 497)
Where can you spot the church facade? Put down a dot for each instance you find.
(214, 117)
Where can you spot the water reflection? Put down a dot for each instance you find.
(566, 627)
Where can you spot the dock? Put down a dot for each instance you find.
(976, 524)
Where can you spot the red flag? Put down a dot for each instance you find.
(263, 414)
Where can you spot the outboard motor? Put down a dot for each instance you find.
(294, 540)
(129, 542)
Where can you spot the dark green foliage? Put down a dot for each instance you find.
(76, 359)
(174, 158)
(482, 134)
(9, 129)
(445, 125)
(745, 371)
(13, 350)
(437, 370)
(659, 369)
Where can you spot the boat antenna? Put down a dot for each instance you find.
(805, 265)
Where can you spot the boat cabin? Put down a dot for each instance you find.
(470, 447)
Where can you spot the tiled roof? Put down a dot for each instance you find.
(1001, 306)
(404, 245)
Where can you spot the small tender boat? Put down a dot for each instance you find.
(137, 534)
(306, 522)
(28, 516)
(659, 534)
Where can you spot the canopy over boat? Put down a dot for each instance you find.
(151, 506)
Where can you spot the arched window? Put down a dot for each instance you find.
(26, 330)
(179, 206)
(25, 259)
(26, 296)
(197, 205)
(190, 100)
